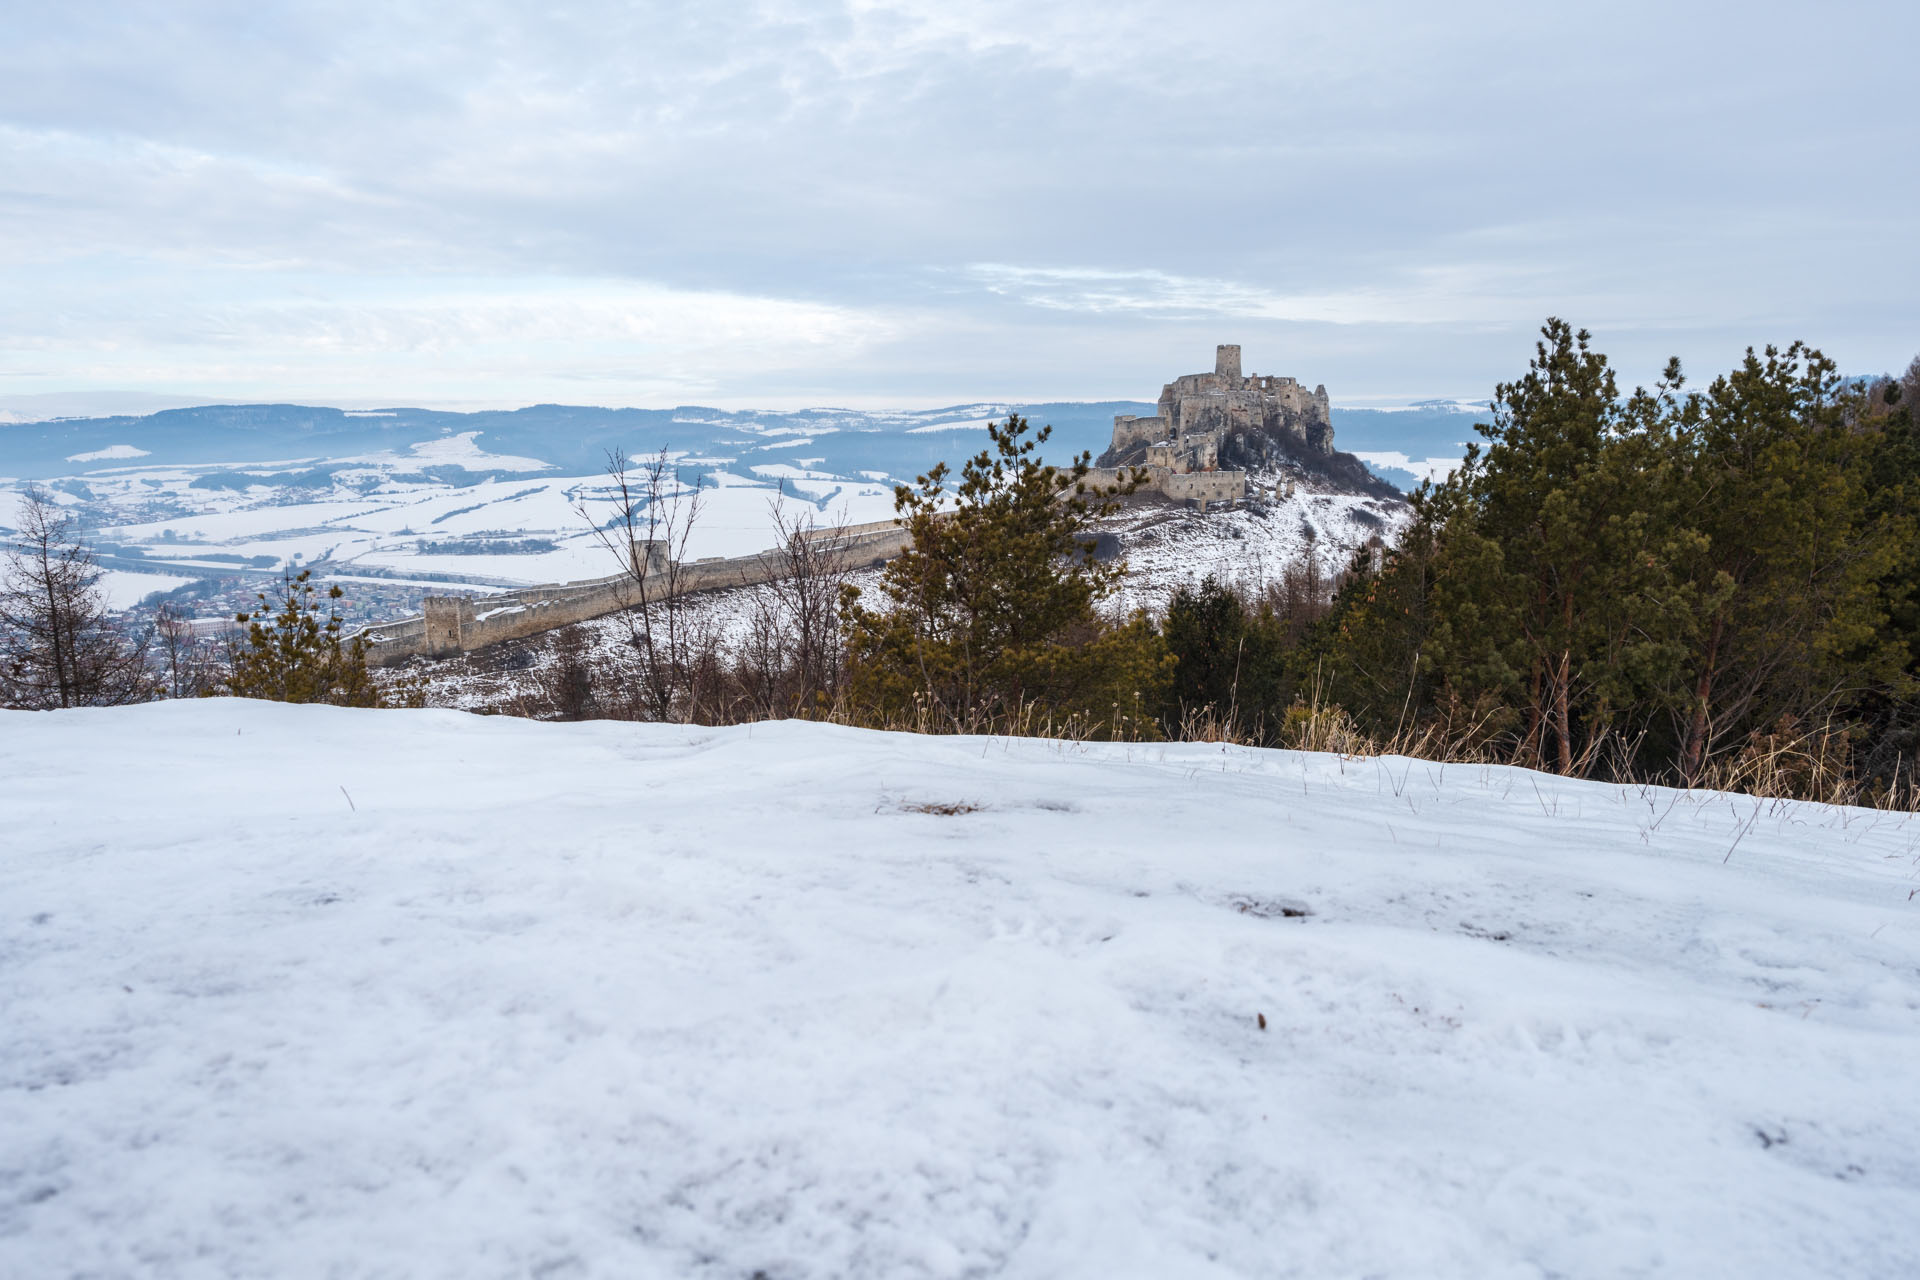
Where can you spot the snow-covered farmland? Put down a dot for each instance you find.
(397, 526)
(120, 589)
(298, 991)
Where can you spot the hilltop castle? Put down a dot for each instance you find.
(1214, 427)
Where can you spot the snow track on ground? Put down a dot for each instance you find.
(299, 991)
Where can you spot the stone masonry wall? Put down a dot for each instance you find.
(1188, 486)
(1205, 486)
(1129, 431)
(461, 624)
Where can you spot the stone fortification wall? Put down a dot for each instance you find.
(1105, 478)
(460, 624)
(1205, 486)
(1189, 486)
(1130, 431)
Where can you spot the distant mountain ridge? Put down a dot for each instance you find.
(569, 437)
(575, 438)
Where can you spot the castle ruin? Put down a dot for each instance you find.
(1213, 428)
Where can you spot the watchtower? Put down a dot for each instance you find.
(646, 557)
(1226, 360)
(446, 617)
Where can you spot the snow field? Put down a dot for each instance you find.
(385, 529)
(301, 991)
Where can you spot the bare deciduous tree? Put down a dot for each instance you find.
(652, 520)
(58, 645)
(186, 663)
(790, 658)
(566, 683)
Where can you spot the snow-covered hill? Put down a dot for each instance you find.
(313, 992)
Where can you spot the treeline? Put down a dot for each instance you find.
(1712, 587)
(1701, 587)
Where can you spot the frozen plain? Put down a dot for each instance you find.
(299, 991)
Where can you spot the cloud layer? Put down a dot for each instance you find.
(790, 202)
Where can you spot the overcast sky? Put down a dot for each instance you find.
(873, 204)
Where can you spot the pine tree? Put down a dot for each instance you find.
(991, 609)
(1888, 413)
(1792, 555)
(1369, 654)
(1230, 660)
(1550, 585)
(290, 655)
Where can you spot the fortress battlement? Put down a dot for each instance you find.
(1207, 419)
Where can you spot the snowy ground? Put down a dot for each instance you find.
(312, 992)
(120, 589)
(1167, 545)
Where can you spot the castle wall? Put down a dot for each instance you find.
(1205, 486)
(1130, 431)
(1201, 486)
(459, 624)
(1100, 478)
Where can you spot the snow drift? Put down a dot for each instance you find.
(309, 992)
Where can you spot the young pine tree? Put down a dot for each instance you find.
(1231, 659)
(289, 654)
(991, 610)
